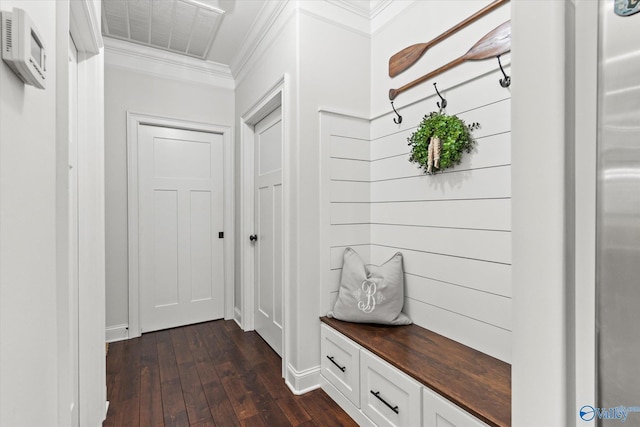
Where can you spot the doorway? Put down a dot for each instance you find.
(265, 213)
(267, 240)
(180, 222)
(181, 211)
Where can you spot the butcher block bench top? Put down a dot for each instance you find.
(474, 381)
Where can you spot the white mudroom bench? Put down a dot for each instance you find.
(410, 376)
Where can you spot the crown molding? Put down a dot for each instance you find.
(386, 11)
(271, 18)
(379, 8)
(275, 16)
(365, 12)
(261, 27)
(170, 65)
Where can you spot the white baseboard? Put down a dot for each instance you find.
(117, 333)
(304, 381)
(346, 405)
(237, 316)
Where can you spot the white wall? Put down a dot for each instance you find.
(28, 327)
(328, 65)
(452, 228)
(545, 230)
(334, 66)
(274, 57)
(36, 301)
(128, 90)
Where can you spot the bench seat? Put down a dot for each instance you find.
(476, 382)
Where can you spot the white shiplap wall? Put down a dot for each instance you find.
(346, 182)
(453, 228)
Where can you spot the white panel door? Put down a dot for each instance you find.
(268, 314)
(180, 216)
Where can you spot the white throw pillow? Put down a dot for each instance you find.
(375, 296)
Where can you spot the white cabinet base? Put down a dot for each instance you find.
(352, 410)
(439, 412)
(340, 363)
(387, 396)
(361, 382)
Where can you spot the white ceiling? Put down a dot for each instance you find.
(212, 30)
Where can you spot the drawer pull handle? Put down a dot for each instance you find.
(393, 408)
(342, 368)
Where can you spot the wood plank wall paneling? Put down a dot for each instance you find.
(453, 228)
(346, 183)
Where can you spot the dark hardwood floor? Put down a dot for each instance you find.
(207, 375)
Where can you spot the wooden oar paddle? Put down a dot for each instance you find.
(493, 44)
(410, 55)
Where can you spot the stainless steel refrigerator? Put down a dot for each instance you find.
(618, 214)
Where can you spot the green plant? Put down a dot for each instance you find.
(455, 137)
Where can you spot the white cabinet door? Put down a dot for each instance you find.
(387, 396)
(439, 412)
(180, 213)
(341, 363)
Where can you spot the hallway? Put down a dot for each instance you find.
(205, 375)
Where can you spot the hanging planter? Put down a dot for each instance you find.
(439, 141)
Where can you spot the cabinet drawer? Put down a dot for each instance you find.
(439, 412)
(387, 396)
(341, 363)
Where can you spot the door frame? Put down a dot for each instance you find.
(274, 98)
(81, 20)
(134, 121)
(73, 239)
(584, 297)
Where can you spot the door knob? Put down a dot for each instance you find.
(253, 237)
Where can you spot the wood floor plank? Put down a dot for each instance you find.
(207, 375)
(271, 377)
(126, 402)
(204, 364)
(269, 410)
(151, 413)
(255, 421)
(173, 405)
(166, 357)
(219, 404)
(293, 410)
(116, 359)
(193, 394)
(126, 413)
(227, 350)
(247, 344)
(320, 407)
(150, 398)
(240, 395)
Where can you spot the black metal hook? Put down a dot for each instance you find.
(399, 119)
(506, 82)
(442, 100)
